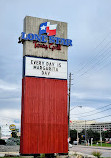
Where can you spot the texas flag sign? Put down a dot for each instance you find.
(104, 129)
(45, 27)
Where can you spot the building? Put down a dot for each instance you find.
(0, 132)
(5, 132)
(79, 125)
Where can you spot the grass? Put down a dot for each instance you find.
(41, 156)
(103, 145)
(97, 154)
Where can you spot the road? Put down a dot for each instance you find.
(6, 148)
(106, 152)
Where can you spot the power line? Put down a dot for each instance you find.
(103, 66)
(75, 107)
(100, 43)
(93, 119)
(96, 54)
(95, 64)
(99, 55)
(95, 113)
(93, 110)
(100, 117)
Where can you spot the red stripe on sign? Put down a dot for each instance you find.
(50, 32)
(44, 120)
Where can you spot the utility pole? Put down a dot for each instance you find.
(77, 137)
(69, 105)
(100, 136)
(85, 134)
(0, 132)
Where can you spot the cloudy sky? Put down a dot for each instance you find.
(89, 59)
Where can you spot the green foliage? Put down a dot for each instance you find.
(14, 134)
(103, 145)
(93, 134)
(2, 142)
(90, 134)
(13, 141)
(42, 155)
(97, 154)
(11, 156)
(73, 135)
(106, 134)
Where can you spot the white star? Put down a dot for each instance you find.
(43, 27)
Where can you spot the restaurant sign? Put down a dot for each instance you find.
(46, 68)
(49, 32)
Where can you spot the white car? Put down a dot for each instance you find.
(75, 142)
(70, 145)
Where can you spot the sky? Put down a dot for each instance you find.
(89, 59)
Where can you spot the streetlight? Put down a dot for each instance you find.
(69, 119)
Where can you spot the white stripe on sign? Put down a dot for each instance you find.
(40, 67)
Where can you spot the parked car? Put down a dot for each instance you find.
(109, 142)
(75, 142)
(70, 145)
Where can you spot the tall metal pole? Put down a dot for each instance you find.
(100, 136)
(77, 137)
(0, 132)
(85, 133)
(69, 105)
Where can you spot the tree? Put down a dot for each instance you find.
(106, 134)
(73, 135)
(82, 135)
(89, 134)
(93, 134)
(14, 133)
